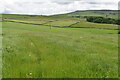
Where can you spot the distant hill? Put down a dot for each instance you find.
(103, 13)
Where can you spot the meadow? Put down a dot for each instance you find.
(101, 13)
(52, 47)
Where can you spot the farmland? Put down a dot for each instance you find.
(101, 13)
(58, 47)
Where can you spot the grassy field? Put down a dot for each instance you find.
(36, 51)
(85, 24)
(57, 21)
(103, 13)
(0, 49)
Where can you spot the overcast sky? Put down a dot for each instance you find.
(50, 7)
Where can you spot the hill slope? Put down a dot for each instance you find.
(103, 13)
(56, 21)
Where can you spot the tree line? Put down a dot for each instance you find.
(103, 20)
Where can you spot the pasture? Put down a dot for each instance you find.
(31, 49)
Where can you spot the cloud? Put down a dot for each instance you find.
(64, 1)
(50, 7)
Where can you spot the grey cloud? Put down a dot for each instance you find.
(64, 1)
(92, 3)
(107, 3)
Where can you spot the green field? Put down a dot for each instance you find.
(95, 25)
(102, 13)
(57, 21)
(38, 51)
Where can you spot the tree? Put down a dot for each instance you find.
(102, 20)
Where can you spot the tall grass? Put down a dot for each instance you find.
(32, 51)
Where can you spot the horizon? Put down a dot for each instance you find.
(58, 13)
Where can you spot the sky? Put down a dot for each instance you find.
(51, 7)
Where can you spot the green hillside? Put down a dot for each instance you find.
(103, 13)
(56, 21)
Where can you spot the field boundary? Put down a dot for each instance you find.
(70, 26)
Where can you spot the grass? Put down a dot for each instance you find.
(95, 25)
(28, 21)
(36, 51)
(0, 50)
(62, 22)
(103, 13)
